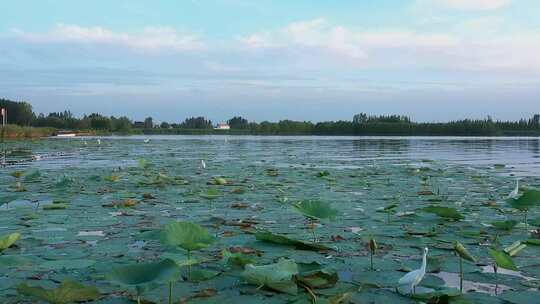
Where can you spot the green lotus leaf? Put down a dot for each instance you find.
(502, 259)
(237, 258)
(199, 275)
(529, 199)
(266, 236)
(278, 276)
(67, 264)
(445, 212)
(323, 173)
(504, 225)
(56, 206)
(463, 252)
(316, 209)
(186, 235)
(146, 276)
(515, 248)
(8, 240)
(219, 181)
(143, 163)
(210, 194)
(180, 259)
(438, 295)
(68, 292)
(534, 242)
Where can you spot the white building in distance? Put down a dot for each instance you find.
(222, 126)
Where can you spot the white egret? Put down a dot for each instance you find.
(99, 141)
(515, 193)
(414, 277)
(147, 140)
(203, 164)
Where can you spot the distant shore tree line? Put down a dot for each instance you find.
(21, 113)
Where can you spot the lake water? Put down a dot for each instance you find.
(84, 208)
(521, 155)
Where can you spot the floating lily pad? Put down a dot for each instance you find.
(67, 292)
(446, 212)
(278, 277)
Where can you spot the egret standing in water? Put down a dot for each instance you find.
(515, 193)
(203, 164)
(414, 277)
(99, 141)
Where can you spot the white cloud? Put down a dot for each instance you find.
(149, 39)
(476, 4)
(466, 5)
(477, 45)
(341, 41)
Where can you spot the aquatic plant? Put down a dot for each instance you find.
(529, 199)
(188, 236)
(278, 276)
(444, 212)
(463, 254)
(145, 277)
(315, 210)
(68, 292)
(7, 241)
(372, 245)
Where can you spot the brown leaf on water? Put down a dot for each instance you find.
(239, 205)
(244, 250)
(205, 293)
(126, 203)
(426, 192)
(337, 238)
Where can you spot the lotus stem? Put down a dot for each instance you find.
(138, 299)
(313, 230)
(496, 278)
(460, 275)
(371, 259)
(189, 264)
(170, 291)
(526, 225)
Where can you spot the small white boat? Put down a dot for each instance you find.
(66, 134)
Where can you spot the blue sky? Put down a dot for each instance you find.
(268, 60)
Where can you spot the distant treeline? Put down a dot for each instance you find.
(21, 113)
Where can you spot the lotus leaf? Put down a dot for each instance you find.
(186, 235)
(316, 210)
(502, 259)
(527, 200)
(8, 240)
(145, 276)
(68, 292)
(278, 276)
(445, 212)
(504, 225)
(515, 248)
(266, 236)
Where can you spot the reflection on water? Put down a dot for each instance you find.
(520, 155)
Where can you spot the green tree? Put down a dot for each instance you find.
(238, 122)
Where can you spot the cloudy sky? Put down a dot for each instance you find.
(268, 60)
